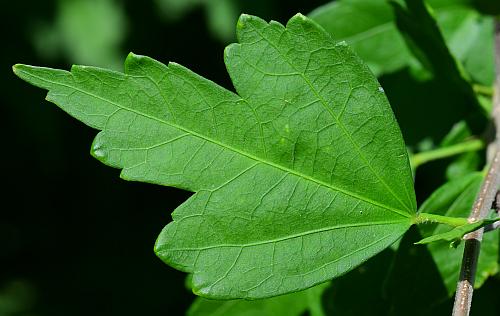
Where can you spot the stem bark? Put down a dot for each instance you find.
(482, 205)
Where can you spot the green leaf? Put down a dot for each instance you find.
(366, 25)
(294, 304)
(175, 9)
(299, 177)
(466, 32)
(221, 15)
(85, 31)
(423, 36)
(463, 165)
(470, 39)
(455, 198)
(221, 18)
(17, 297)
(466, 163)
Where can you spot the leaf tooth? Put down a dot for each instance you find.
(245, 24)
(98, 148)
(299, 16)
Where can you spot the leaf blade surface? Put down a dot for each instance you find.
(299, 177)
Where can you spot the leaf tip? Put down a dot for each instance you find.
(134, 56)
(15, 68)
(18, 69)
(300, 19)
(243, 19)
(246, 19)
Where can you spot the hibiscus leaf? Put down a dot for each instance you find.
(298, 178)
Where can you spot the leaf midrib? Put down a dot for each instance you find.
(248, 155)
(288, 237)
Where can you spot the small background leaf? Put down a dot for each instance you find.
(84, 31)
(221, 15)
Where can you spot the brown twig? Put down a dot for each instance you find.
(482, 205)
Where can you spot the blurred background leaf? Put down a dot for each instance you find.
(295, 304)
(368, 27)
(375, 36)
(89, 32)
(466, 163)
(17, 298)
(221, 15)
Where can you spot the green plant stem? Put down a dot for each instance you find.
(439, 153)
(483, 90)
(423, 218)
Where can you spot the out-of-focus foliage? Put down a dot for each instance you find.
(422, 33)
(469, 36)
(369, 27)
(17, 298)
(221, 15)
(294, 304)
(84, 32)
